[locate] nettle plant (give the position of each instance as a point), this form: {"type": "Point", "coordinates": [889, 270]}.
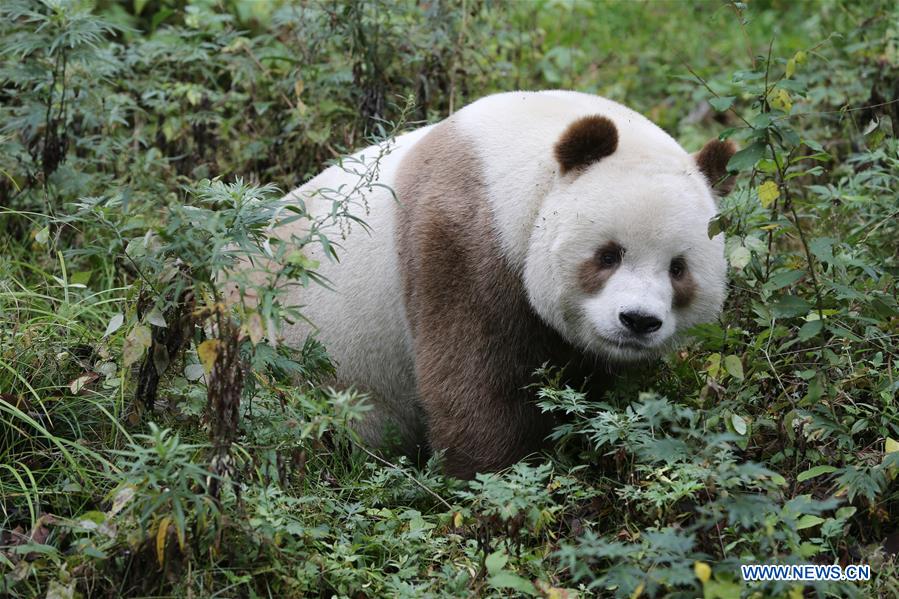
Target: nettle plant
{"type": "Point", "coordinates": [209, 296]}
{"type": "Point", "coordinates": [822, 308]}
{"type": "Point", "coordinates": [190, 286]}
{"type": "Point", "coordinates": [691, 495]}
{"type": "Point", "coordinates": [814, 313]}
{"type": "Point", "coordinates": [210, 293]}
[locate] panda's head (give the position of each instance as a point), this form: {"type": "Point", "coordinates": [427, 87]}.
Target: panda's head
{"type": "Point", "coordinates": [620, 261]}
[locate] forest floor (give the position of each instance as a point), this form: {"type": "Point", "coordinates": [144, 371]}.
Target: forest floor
{"type": "Point", "coordinates": [157, 441]}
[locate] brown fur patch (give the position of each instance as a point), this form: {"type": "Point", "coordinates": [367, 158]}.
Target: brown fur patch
{"type": "Point", "coordinates": [684, 290]}
{"type": "Point", "coordinates": [712, 160]}
{"type": "Point", "coordinates": [585, 141]}
{"type": "Point", "coordinates": [592, 274]}
{"type": "Point", "coordinates": [476, 338]}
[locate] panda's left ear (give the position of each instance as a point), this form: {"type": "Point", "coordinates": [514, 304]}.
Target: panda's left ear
{"type": "Point", "coordinates": [587, 140]}
{"type": "Point", "coordinates": [712, 160]}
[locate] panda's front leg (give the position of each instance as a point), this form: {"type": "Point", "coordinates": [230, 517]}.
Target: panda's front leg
{"type": "Point", "coordinates": [478, 412]}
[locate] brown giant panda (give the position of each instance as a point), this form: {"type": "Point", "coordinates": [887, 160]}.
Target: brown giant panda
{"type": "Point", "coordinates": [527, 227]}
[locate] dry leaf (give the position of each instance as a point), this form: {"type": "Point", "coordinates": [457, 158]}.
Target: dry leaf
{"type": "Point", "coordinates": [161, 533]}
{"type": "Point", "coordinates": [208, 352]}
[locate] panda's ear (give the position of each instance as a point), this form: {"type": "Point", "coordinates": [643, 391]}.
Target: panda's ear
{"type": "Point", "coordinates": [585, 141]}
{"type": "Point", "coordinates": [712, 160]}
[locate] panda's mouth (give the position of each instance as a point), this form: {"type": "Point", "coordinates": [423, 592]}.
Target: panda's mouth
{"type": "Point", "coordinates": [627, 349]}
{"type": "Point", "coordinates": [627, 343]}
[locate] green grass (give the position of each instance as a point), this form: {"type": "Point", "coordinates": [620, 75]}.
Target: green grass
{"type": "Point", "coordinates": [770, 438]}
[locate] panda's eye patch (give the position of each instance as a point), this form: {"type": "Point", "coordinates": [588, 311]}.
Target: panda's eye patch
{"type": "Point", "coordinates": [678, 267]}
{"type": "Point", "coordinates": [609, 255]}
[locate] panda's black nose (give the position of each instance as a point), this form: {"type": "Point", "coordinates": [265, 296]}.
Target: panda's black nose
{"type": "Point", "coordinates": [640, 323]}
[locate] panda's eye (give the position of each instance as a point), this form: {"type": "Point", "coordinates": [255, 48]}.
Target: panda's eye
{"type": "Point", "coordinates": [677, 268]}
{"type": "Point", "coordinates": [609, 256]}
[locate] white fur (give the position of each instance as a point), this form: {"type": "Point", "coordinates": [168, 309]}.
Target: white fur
{"type": "Point", "coordinates": [361, 321]}
{"type": "Point", "coordinates": [648, 196]}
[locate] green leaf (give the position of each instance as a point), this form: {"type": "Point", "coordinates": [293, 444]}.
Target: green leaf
{"type": "Point", "coordinates": [783, 279]}
{"type": "Point", "coordinates": [715, 226]}
{"type": "Point", "coordinates": [746, 158]}
{"type": "Point", "coordinates": [813, 472]}
{"type": "Point", "coordinates": [762, 120]}
{"type": "Point", "coordinates": [32, 547]}
{"type": "Point", "coordinates": [508, 580]}
{"type": "Point", "coordinates": [808, 521]}
{"type": "Point", "coordinates": [809, 549]}
{"type": "Point", "coordinates": [722, 589]}
{"type": "Point", "coordinates": [788, 424]}
{"type": "Point", "coordinates": [810, 329]}
{"type": "Point", "coordinates": [91, 551]}
{"type": "Point", "coordinates": [734, 366]}
{"type": "Point", "coordinates": [114, 323]}
{"type": "Point", "coordinates": [815, 391]}
{"type": "Point", "coordinates": [814, 145]}
{"type": "Point", "coordinates": [81, 277]}
{"type": "Point", "coordinates": [496, 561]}
{"type": "Point", "coordinates": [739, 424]}
{"type": "Point", "coordinates": [822, 248]}
{"type": "Point", "coordinates": [156, 318]}
{"type": "Point", "coordinates": [193, 372]}
{"type": "Point", "coordinates": [789, 306]}
{"type": "Point", "coordinates": [161, 15]}
{"type": "Point", "coordinates": [740, 257]}
{"type": "Point", "coordinates": [845, 512]}
{"type": "Point", "coordinates": [722, 103]}
{"type": "Point", "coordinates": [91, 520]}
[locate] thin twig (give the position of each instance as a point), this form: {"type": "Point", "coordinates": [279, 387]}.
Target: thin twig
{"type": "Point", "coordinates": [840, 111]}
{"type": "Point", "coordinates": [404, 473]}
{"type": "Point", "coordinates": [788, 203]}
{"type": "Point", "coordinates": [771, 364]}
{"type": "Point", "coordinates": [268, 74]}
{"type": "Point", "coordinates": [714, 93]}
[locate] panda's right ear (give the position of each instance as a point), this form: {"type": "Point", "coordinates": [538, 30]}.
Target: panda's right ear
{"type": "Point", "coordinates": [712, 161]}
{"type": "Point", "coordinates": [586, 141]}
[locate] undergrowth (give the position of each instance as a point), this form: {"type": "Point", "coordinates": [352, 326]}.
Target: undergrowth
{"type": "Point", "coordinates": [157, 439]}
